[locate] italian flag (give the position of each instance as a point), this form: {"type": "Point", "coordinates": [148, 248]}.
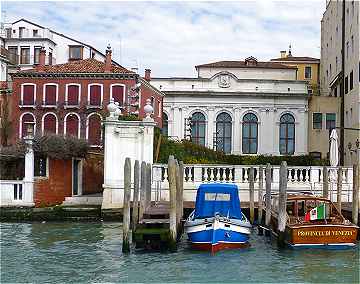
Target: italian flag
{"type": "Point", "coordinates": [316, 213]}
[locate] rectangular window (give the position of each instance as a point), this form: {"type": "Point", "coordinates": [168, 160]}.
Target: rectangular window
{"type": "Point", "coordinates": [317, 120]}
{"type": "Point", "coordinates": [50, 56]}
{"type": "Point", "coordinates": [40, 166]}
{"type": "Point", "coordinates": [21, 32]}
{"type": "Point", "coordinates": [75, 52]}
{"type": "Point", "coordinates": [35, 33]}
{"type": "Point", "coordinates": [37, 54]}
{"type": "Point", "coordinates": [73, 93]}
{"type": "Point", "coordinates": [351, 80]}
{"type": "Point", "coordinates": [8, 32]}
{"type": "Point", "coordinates": [18, 193]}
{"type": "Point", "coordinates": [330, 120]}
{"type": "Point", "coordinates": [50, 95]}
{"type": "Point", "coordinates": [13, 55]}
{"type": "Point", "coordinates": [25, 55]}
{"type": "Point", "coordinates": [346, 84]}
{"type": "Point", "coordinates": [308, 72]}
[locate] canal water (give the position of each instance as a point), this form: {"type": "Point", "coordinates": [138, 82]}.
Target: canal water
{"type": "Point", "coordinates": [91, 252]}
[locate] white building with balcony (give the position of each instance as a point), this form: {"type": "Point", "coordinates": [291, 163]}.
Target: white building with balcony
{"type": "Point", "coordinates": [239, 107]}
{"type": "Point", "coordinates": [24, 40]}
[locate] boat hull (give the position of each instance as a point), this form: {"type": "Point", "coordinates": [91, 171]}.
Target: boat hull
{"type": "Point", "coordinates": [217, 235]}
{"type": "Point", "coordinates": [322, 236]}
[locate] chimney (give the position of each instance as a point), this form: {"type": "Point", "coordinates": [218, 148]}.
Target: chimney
{"type": "Point", "coordinates": [108, 65]}
{"type": "Point", "coordinates": [147, 74]}
{"type": "Point", "coordinates": [42, 55]}
{"type": "Point", "coordinates": [282, 53]}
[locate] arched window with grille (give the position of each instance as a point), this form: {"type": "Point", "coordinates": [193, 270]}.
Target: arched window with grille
{"type": "Point", "coordinates": [287, 134]}
{"type": "Point", "coordinates": [24, 119]}
{"type": "Point", "coordinates": [165, 125]}
{"type": "Point", "coordinates": [250, 134]}
{"type": "Point", "coordinates": [198, 128]}
{"type": "Point", "coordinates": [223, 132]}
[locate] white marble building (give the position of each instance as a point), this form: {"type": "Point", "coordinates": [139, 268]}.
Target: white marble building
{"type": "Point", "coordinates": [240, 107]}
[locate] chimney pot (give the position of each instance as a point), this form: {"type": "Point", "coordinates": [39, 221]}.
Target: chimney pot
{"type": "Point", "coordinates": [283, 53]}
{"type": "Point", "coordinates": [147, 74]}
{"type": "Point", "coordinates": [108, 65]}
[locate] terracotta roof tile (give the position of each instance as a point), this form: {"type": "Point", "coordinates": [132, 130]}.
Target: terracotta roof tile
{"type": "Point", "coordinates": [79, 66]}
{"type": "Point", "coordinates": [241, 64]}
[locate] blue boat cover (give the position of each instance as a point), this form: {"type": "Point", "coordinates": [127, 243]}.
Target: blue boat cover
{"type": "Point", "coordinates": [218, 198]}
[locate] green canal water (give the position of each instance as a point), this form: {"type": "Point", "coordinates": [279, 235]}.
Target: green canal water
{"type": "Point", "coordinates": [91, 252]}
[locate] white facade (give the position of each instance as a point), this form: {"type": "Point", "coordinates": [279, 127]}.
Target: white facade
{"type": "Point", "coordinates": [268, 93]}
{"type": "Point", "coordinates": [24, 34]}
{"type": "Point", "coordinates": [331, 65]}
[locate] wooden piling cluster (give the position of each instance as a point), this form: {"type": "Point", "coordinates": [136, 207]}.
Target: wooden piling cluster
{"type": "Point", "coordinates": [158, 225]}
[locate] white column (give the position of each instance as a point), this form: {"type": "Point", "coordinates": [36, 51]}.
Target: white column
{"type": "Point", "coordinates": [211, 127]}
{"type": "Point", "coordinates": [28, 190]}
{"type": "Point", "coordinates": [237, 132]}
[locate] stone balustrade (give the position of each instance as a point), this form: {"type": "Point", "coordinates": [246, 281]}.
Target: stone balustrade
{"type": "Point", "coordinates": [15, 193]}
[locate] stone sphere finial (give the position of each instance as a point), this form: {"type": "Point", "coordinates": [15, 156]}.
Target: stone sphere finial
{"type": "Point", "coordinates": [113, 109]}
{"type": "Point", "coordinates": [148, 109]}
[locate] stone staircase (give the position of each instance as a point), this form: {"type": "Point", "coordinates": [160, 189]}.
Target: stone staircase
{"type": "Point", "coordinates": [91, 199]}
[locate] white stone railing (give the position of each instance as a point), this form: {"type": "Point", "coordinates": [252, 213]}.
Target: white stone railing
{"type": "Point", "coordinates": [16, 193]}
{"type": "Point", "coordinates": [299, 178]}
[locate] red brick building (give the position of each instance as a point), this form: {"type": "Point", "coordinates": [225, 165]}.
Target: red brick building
{"type": "Point", "coordinates": [71, 98]}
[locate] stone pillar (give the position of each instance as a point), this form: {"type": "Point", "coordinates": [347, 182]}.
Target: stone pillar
{"type": "Point", "coordinates": [237, 132]}
{"type": "Point", "coordinates": [28, 190]}
{"type": "Point", "coordinates": [211, 127]}
{"type": "Point", "coordinates": [124, 139]}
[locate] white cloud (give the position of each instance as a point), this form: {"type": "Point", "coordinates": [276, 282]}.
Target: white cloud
{"type": "Point", "coordinates": [172, 37]}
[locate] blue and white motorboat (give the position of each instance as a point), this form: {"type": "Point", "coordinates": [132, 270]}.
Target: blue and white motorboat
{"type": "Point", "coordinates": [217, 221]}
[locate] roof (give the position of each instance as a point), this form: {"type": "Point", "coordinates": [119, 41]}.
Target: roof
{"type": "Point", "coordinates": [241, 64]}
{"type": "Point", "coordinates": [65, 36]}
{"type": "Point", "coordinates": [90, 65]}
{"type": "Point", "coordinates": [297, 59]}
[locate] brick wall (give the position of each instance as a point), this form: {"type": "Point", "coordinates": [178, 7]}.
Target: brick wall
{"type": "Point", "coordinates": [53, 189]}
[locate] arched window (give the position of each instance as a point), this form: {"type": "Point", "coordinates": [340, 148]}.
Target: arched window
{"type": "Point", "coordinates": [198, 127]}
{"type": "Point", "coordinates": [250, 134]}
{"type": "Point", "coordinates": [72, 125]}
{"type": "Point", "coordinates": [26, 117]}
{"type": "Point", "coordinates": [165, 128]}
{"type": "Point", "coordinates": [287, 134]}
{"type": "Point", "coordinates": [223, 132]}
{"type": "Point", "coordinates": [28, 94]}
{"type": "Point", "coordinates": [50, 94]}
{"type": "Point", "coordinates": [49, 123]}
{"type": "Point", "coordinates": [117, 93]}
{"type": "Point", "coordinates": [73, 94]}
{"type": "Point", "coordinates": [95, 95]}
{"type": "Point", "coordinates": [94, 129]}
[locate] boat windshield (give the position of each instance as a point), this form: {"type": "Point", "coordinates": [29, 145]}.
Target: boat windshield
{"type": "Point", "coordinates": [312, 211]}
{"type": "Point", "coordinates": [216, 198]}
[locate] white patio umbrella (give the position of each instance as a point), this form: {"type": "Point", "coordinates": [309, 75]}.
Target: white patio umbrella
{"type": "Point", "coordinates": [334, 158]}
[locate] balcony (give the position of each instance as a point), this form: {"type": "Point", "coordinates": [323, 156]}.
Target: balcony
{"type": "Point", "coordinates": [27, 33]}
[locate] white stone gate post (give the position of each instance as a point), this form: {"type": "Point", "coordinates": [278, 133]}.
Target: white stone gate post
{"type": "Point", "coordinates": [124, 139]}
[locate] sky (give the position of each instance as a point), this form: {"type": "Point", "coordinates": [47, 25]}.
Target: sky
{"type": "Point", "coordinates": [172, 37]}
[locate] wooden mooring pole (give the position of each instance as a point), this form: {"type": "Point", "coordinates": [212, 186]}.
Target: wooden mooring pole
{"type": "Point", "coordinates": [339, 189]}
{"type": "Point", "coordinates": [126, 209]}
{"type": "Point", "coordinates": [268, 198]}
{"type": "Point", "coordinates": [282, 204]}
{"type": "Point", "coordinates": [172, 213]}
{"type": "Point", "coordinates": [251, 193]}
{"type": "Point", "coordinates": [260, 199]}
{"type": "Point", "coordinates": [355, 197]}
{"type": "Point", "coordinates": [142, 191]}
{"type": "Point", "coordinates": [325, 183]}
{"type": "Point", "coordinates": [179, 194]}
{"type": "Point", "coordinates": [135, 213]}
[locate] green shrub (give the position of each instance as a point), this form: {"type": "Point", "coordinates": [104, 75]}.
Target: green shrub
{"type": "Point", "coordinates": [191, 153]}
